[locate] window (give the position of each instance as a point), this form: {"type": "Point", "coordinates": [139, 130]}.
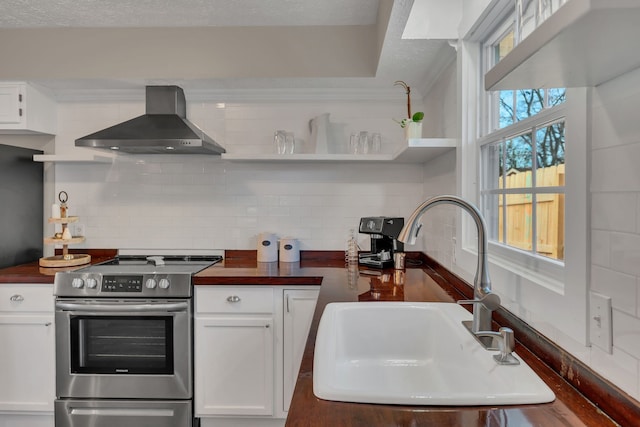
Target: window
{"type": "Point", "coordinates": [503, 146]}
{"type": "Point", "coordinates": [522, 164]}
{"type": "Point", "coordinates": [523, 175]}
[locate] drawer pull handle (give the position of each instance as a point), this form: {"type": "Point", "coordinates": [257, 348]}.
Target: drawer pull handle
{"type": "Point", "coordinates": [233, 298]}
{"type": "Point", "coordinates": [17, 298]}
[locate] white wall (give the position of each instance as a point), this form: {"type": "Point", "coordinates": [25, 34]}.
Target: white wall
{"type": "Point", "coordinates": [439, 224]}
{"type": "Point", "coordinates": [615, 223]}
{"type": "Point", "coordinates": [203, 202]}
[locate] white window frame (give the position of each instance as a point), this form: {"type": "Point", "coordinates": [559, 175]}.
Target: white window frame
{"type": "Point", "coordinates": [544, 293]}
{"type": "Point", "coordinates": [547, 272]}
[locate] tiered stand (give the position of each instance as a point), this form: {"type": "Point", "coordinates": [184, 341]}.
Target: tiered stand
{"type": "Point", "coordinates": [66, 259]}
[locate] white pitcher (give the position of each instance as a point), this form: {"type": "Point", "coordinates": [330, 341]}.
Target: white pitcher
{"type": "Point", "coordinates": [319, 127]}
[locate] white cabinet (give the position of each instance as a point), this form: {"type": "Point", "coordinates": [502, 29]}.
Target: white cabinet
{"type": "Point", "coordinates": [27, 352]}
{"type": "Point", "coordinates": [249, 342]}
{"type": "Point", "coordinates": [234, 351]}
{"type": "Point", "coordinates": [25, 109]}
{"type": "Point", "coordinates": [299, 306]}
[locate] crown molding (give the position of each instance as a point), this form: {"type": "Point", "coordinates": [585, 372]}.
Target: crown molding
{"type": "Point", "coordinates": [238, 95]}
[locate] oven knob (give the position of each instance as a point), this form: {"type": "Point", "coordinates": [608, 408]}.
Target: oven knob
{"type": "Point", "coordinates": [151, 283]}
{"type": "Point", "coordinates": [77, 283]}
{"type": "Point", "coordinates": [164, 283]}
{"type": "Point", "coordinates": [92, 283]}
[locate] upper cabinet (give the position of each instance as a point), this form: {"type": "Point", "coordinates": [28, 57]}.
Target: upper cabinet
{"type": "Point", "coordinates": [584, 43]}
{"type": "Point", "coordinates": [25, 109]}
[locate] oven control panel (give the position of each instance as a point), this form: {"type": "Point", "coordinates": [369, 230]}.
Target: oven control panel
{"type": "Point", "coordinates": [90, 284]}
{"type": "Point", "coordinates": [121, 284]}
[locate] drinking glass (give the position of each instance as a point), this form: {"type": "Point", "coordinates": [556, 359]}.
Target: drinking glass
{"type": "Point", "coordinates": [354, 143]}
{"type": "Point", "coordinates": [289, 143]}
{"type": "Point", "coordinates": [279, 139]}
{"type": "Point", "coordinates": [376, 143]}
{"type": "Point", "coordinates": [364, 143]}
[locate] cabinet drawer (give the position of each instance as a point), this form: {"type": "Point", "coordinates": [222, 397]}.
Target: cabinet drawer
{"type": "Point", "coordinates": [210, 299]}
{"type": "Point", "coordinates": [26, 298]}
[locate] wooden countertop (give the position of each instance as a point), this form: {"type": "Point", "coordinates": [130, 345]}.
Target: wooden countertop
{"type": "Point", "coordinates": [33, 273]}
{"type": "Point", "coordinates": [423, 283]}
{"type": "Point", "coordinates": [415, 284]}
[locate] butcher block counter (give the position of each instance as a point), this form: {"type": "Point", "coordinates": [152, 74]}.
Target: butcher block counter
{"type": "Point", "coordinates": [582, 397]}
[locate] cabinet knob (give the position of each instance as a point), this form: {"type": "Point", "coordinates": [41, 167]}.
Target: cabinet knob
{"type": "Point", "coordinates": [17, 298]}
{"type": "Point", "coordinates": [233, 298]}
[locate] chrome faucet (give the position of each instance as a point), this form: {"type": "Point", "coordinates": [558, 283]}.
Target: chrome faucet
{"type": "Point", "coordinates": [484, 301]}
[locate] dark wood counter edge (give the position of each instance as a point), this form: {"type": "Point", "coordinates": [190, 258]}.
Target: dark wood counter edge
{"type": "Point", "coordinates": [610, 399]}
{"type": "Point", "coordinates": [33, 273]}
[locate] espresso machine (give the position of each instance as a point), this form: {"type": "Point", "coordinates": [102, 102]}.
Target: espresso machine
{"type": "Point", "coordinates": [384, 232]}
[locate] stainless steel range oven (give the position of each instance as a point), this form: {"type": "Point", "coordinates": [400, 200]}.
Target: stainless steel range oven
{"type": "Point", "coordinates": [124, 350]}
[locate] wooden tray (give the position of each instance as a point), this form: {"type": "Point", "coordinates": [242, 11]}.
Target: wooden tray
{"type": "Point", "coordinates": [54, 241]}
{"type": "Point", "coordinates": [59, 261]}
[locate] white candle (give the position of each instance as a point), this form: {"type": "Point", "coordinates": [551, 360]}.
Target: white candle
{"type": "Point", "coordinates": [55, 210]}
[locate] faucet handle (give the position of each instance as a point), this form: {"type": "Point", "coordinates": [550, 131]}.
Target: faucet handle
{"type": "Point", "coordinates": [506, 344]}
{"type": "Point", "coordinates": [491, 301]}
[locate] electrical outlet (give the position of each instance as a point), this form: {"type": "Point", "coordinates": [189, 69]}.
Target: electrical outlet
{"type": "Point", "coordinates": [600, 327]}
{"type": "Point", "coordinates": [79, 228]}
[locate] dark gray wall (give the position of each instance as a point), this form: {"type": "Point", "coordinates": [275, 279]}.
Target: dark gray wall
{"type": "Point", "coordinates": [21, 206]}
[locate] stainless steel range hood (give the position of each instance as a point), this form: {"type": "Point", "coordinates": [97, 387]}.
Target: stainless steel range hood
{"type": "Point", "coordinates": [164, 129]}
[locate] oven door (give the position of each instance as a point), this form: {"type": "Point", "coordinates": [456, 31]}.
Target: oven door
{"type": "Point", "coordinates": [124, 349]}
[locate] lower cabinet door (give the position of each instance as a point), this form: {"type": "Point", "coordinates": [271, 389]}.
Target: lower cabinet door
{"type": "Point", "coordinates": [234, 365]}
{"type": "Point", "coordinates": [299, 306]}
{"type": "Point", "coordinates": [27, 363]}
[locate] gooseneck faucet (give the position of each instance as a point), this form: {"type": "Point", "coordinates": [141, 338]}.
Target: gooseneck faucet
{"type": "Point", "coordinates": [484, 301]}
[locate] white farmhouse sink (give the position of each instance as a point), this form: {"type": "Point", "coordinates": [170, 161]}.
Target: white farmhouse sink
{"type": "Point", "coordinates": [413, 354]}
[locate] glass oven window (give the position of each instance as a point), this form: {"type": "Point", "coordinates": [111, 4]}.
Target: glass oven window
{"type": "Point", "coordinates": [122, 345]}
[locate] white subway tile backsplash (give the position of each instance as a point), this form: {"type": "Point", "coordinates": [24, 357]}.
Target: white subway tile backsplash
{"type": "Point", "coordinates": [626, 333]}
{"type": "Point", "coordinates": [205, 201]}
{"type": "Point", "coordinates": [620, 287]}
{"type": "Point", "coordinates": [619, 367]}
{"type": "Point", "coordinates": [614, 211]}
{"type": "Point", "coordinates": [625, 253]}
{"type": "Point", "coordinates": [615, 169]}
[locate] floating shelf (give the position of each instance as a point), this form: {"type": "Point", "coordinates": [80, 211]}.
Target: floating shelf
{"type": "Point", "coordinates": [421, 150]}
{"type": "Point", "coordinates": [418, 150]}
{"type": "Point", "coordinates": [72, 158]}
{"type": "Point", "coordinates": [307, 157]}
{"type": "Point", "coordinates": [584, 43]}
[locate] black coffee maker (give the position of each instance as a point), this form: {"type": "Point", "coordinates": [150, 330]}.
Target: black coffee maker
{"type": "Point", "coordinates": [384, 232]}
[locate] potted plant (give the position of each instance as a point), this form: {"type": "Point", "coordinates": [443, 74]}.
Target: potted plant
{"type": "Point", "coordinates": [412, 125]}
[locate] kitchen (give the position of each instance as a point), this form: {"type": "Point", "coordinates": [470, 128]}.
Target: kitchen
{"type": "Point", "coordinates": [135, 202]}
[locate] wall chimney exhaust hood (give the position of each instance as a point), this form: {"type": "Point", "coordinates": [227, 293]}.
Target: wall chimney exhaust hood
{"type": "Point", "coordinates": [164, 129]}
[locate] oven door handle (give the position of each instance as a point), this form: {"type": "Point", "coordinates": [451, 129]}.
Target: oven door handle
{"type": "Point", "coordinates": [120, 307]}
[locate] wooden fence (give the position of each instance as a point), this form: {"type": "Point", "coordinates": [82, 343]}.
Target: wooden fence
{"type": "Point", "coordinates": [550, 214]}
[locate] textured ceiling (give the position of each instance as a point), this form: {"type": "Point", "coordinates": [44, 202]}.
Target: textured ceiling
{"type": "Point", "coordinates": [189, 13]}
{"type": "Point", "coordinates": [417, 62]}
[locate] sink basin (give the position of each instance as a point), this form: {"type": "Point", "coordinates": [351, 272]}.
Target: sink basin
{"type": "Point", "coordinates": [413, 354]}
